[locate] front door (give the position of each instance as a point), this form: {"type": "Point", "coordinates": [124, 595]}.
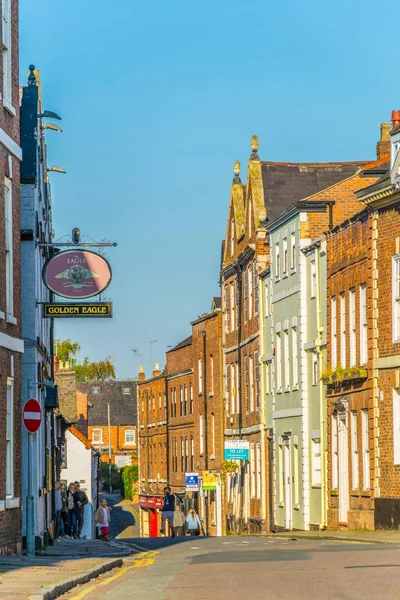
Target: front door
{"type": "Point", "coordinates": [343, 468]}
{"type": "Point", "coordinates": [287, 483]}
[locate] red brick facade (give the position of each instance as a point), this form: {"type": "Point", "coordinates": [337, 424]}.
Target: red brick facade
{"type": "Point", "coordinates": [10, 324]}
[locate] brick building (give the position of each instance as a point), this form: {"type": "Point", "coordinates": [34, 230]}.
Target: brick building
{"type": "Point", "coordinates": [152, 409]}
{"type": "Point", "coordinates": [11, 345]}
{"type": "Point", "coordinates": [270, 189]}
{"type": "Point", "coordinates": [208, 409]}
{"type": "Point", "coordinates": [181, 414]}
{"type": "Point", "coordinates": [352, 405]}
{"type": "Point", "coordinates": [113, 402]}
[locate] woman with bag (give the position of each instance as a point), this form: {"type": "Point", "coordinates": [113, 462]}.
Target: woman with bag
{"type": "Point", "coordinates": [193, 523]}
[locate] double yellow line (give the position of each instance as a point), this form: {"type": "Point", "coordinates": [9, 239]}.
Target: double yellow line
{"type": "Point", "coordinates": [144, 559]}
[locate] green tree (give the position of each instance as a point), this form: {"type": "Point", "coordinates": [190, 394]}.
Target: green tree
{"type": "Point", "coordinates": [85, 370]}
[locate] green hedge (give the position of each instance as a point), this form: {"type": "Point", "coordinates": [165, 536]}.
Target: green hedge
{"type": "Point", "coordinates": [130, 476]}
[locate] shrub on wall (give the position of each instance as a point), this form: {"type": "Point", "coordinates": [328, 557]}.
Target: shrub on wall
{"type": "Point", "coordinates": [130, 476]}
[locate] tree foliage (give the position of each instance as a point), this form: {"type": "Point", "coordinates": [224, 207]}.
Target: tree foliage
{"type": "Point", "coordinates": [129, 477]}
{"type": "Point", "coordinates": [86, 370]}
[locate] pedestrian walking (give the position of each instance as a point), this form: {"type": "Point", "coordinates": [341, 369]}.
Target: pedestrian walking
{"type": "Point", "coordinates": [58, 507]}
{"type": "Point", "coordinates": [167, 511]}
{"type": "Point", "coordinates": [193, 523]}
{"type": "Point", "coordinates": [102, 518]}
{"type": "Point", "coordinates": [82, 501]}
{"type": "Point", "coordinates": [72, 507]}
{"type": "Point", "coordinates": [179, 520]}
{"type": "Point", "coordinates": [64, 511]}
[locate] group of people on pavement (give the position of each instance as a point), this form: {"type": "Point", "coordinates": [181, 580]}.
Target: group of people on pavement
{"type": "Point", "coordinates": [70, 510]}
{"type": "Point", "coordinates": [178, 523]}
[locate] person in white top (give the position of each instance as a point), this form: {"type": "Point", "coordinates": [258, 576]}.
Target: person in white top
{"type": "Point", "coordinates": [102, 518]}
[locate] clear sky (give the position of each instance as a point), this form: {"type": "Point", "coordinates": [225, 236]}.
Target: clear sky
{"type": "Point", "coordinates": [158, 100]}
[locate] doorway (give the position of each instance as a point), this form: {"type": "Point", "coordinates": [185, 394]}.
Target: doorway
{"type": "Point", "coordinates": [343, 469]}
{"type": "Point", "coordinates": [287, 482]}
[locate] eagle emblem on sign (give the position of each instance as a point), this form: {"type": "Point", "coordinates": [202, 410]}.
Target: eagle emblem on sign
{"type": "Point", "coordinates": [76, 276]}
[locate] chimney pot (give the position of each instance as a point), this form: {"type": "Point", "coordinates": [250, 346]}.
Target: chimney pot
{"type": "Point", "coordinates": [395, 118]}
{"type": "Point", "coordinates": [156, 370]}
{"type": "Point", "coordinates": [141, 376]}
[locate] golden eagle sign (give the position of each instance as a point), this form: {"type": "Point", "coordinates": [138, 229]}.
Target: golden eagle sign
{"type": "Point", "coordinates": [77, 274]}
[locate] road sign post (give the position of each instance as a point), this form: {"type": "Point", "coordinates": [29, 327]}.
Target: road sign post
{"type": "Point", "coordinates": [32, 416]}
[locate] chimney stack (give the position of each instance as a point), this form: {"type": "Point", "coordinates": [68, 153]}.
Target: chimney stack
{"type": "Point", "coordinates": [395, 118]}
{"type": "Point", "coordinates": [141, 375]}
{"type": "Point", "coordinates": [156, 370]}
{"type": "Point", "coordinates": [383, 146]}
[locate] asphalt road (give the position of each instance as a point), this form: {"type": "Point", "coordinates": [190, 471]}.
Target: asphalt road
{"type": "Point", "coordinates": [249, 568]}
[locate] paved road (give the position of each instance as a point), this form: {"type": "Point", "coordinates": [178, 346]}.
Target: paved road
{"type": "Point", "coordinates": [124, 517]}
{"type": "Point", "coordinates": [248, 568]}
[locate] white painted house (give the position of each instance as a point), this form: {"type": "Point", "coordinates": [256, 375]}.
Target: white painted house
{"type": "Point", "coordinates": [81, 464]}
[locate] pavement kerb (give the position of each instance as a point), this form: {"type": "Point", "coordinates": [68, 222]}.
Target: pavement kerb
{"type": "Point", "coordinates": [49, 592]}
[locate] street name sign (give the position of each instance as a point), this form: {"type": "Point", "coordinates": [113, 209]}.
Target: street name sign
{"type": "Point", "coordinates": [192, 482]}
{"type": "Point", "coordinates": [32, 415]}
{"type": "Point", "coordinates": [236, 450]}
{"type": "Point", "coordinates": [75, 309]}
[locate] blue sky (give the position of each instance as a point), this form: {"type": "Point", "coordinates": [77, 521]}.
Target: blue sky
{"type": "Point", "coordinates": [159, 99]}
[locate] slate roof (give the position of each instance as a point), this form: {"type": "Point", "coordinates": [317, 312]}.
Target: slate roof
{"type": "Point", "coordinates": [123, 406]}
{"type": "Point", "coordinates": [183, 344]}
{"type": "Point", "coordinates": [216, 303]}
{"type": "Point", "coordinates": [286, 183]}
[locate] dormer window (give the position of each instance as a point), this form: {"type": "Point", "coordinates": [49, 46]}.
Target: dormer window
{"type": "Point", "coordinates": [95, 390]}
{"type": "Point", "coordinates": [126, 390]}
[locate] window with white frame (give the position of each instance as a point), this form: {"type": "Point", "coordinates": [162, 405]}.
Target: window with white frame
{"type": "Point", "coordinates": [232, 306]}
{"type": "Point", "coordinates": [191, 455]}
{"type": "Point", "coordinates": [313, 279]}
{"type": "Point", "coordinates": [354, 451]}
{"type": "Point", "coordinates": [201, 432]}
{"type": "Point", "coordinates": [10, 439]}
{"type": "Point", "coordinates": [281, 468]}
{"type": "Point", "coordinates": [316, 461]}
{"type": "Point", "coordinates": [314, 368]}
{"type": "Point", "coordinates": [129, 436]}
{"type": "Point", "coordinates": [266, 299]}
{"type": "Point", "coordinates": [250, 294]}
{"type": "Point", "coordinates": [200, 375]}
{"type": "Point", "coordinates": [182, 455]}
{"type": "Point", "coordinates": [285, 256]}
{"type": "Point", "coordinates": [255, 281]}
{"type": "Point", "coordinates": [245, 295]}
{"type": "Point", "coordinates": [251, 383]}
{"type": "Point", "coordinates": [353, 327]}
{"type": "Point", "coordinates": [277, 261]}
{"type": "Point", "coordinates": [257, 378]}
{"type": "Point", "coordinates": [365, 449]}
{"type": "Point", "coordinates": [396, 298]}
{"type": "Point", "coordinates": [227, 312]}
{"type": "Point", "coordinates": [97, 436]}
{"type": "Point", "coordinates": [191, 400]}
{"type": "Point", "coordinates": [293, 251]}
{"type": "Point", "coordinates": [159, 400]}
{"type": "Point", "coordinates": [211, 374]}
{"type": "Point", "coordinates": [228, 388]}
{"type": "Point", "coordinates": [295, 357]}
{"type": "Point", "coordinates": [185, 400]}
{"type": "Point", "coordinates": [232, 388]}
{"type": "Point", "coordinates": [286, 358]}
{"type": "Point", "coordinates": [363, 325]}
{"type": "Point", "coordinates": [6, 43]}
{"type": "Point", "coordinates": [333, 333]}
{"type": "Point", "coordinates": [252, 471]}
{"type": "Point", "coordinates": [237, 386]}
{"type": "Point", "coordinates": [342, 331]}
{"type": "Point", "coordinates": [213, 434]}
{"type": "Point", "coordinates": [335, 452]}
{"type": "Point", "coordinates": [396, 426]}
{"type": "Point", "coordinates": [8, 221]}
{"type": "Point", "coordinates": [259, 467]}
{"type": "Point", "coordinates": [278, 361]}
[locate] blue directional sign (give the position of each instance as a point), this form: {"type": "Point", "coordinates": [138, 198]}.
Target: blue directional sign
{"type": "Point", "coordinates": [236, 450]}
{"type": "Point", "coordinates": [192, 482]}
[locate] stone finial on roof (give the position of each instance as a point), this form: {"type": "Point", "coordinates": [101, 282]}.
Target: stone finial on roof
{"type": "Point", "coordinates": [31, 76]}
{"type": "Point", "coordinates": [236, 170]}
{"type": "Point", "coordinates": [254, 147]}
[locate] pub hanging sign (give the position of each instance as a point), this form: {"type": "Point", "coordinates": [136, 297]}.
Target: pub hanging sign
{"type": "Point", "coordinates": [75, 309]}
{"type": "Point", "coordinates": [77, 274]}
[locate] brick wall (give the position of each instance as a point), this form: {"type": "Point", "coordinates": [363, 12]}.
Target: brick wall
{"type": "Point", "coordinates": [118, 443]}
{"type": "Point", "coordinates": [66, 382]}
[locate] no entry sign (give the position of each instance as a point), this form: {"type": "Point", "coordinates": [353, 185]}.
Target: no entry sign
{"type": "Point", "coordinates": [32, 415]}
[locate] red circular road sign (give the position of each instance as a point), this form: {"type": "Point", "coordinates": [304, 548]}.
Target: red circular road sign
{"type": "Point", "coordinates": [77, 274]}
{"type": "Point", "coordinates": [32, 415]}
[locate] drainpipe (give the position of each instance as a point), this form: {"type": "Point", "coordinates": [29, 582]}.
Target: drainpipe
{"type": "Point", "coordinates": [320, 331]}
{"type": "Point", "coordinates": [167, 427]}
{"type": "Point", "coordinates": [261, 314]}
{"type": "Point", "coordinates": [204, 334]}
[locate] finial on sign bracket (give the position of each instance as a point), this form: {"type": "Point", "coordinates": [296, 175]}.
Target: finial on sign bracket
{"type": "Point", "coordinates": [31, 76]}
